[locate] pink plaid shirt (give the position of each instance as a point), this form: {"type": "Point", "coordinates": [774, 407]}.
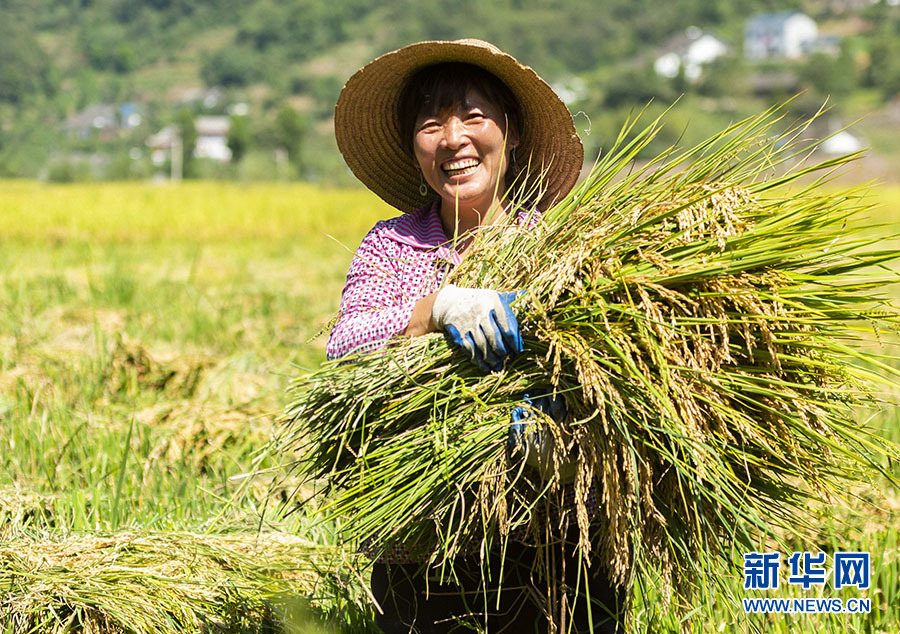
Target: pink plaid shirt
{"type": "Point", "coordinates": [400, 261]}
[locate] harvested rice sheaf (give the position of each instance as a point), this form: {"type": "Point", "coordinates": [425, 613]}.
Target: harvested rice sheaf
{"type": "Point", "coordinates": [706, 319]}
{"type": "Point", "coordinates": [23, 509]}
{"type": "Point", "coordinates": [157, 582]}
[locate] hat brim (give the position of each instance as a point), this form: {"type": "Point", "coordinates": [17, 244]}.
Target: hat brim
{"type": "Point", "coordinates": [368, 131]}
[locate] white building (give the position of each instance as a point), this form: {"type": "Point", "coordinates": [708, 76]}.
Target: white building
{"type": "Point", "coordinates": [778, 35]}
{"type": "Point", "coordinates": [689, 51]}
{"type": "Point", "coordinates": [212, 138]}
{"type": "Point", "coordinates": [841, 142]}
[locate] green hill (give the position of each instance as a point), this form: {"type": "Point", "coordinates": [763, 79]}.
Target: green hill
{"type": "Point", "coordinates": [60, 57]}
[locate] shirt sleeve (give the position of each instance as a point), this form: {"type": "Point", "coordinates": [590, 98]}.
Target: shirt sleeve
{"type": "Point", "coordinates": [374, 306]}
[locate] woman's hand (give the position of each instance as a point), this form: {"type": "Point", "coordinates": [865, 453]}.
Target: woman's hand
{"type": "Point", "coordinates": [527, 440]}
{"type": "Point", "coordinates": [481, 322]}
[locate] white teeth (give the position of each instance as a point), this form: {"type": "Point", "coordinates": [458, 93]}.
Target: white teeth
{"type": "Point", "coordinates": [462, 166]}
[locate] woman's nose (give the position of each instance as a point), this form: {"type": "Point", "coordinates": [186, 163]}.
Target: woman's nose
{"type": "Point", "coordinates": [454, 132]}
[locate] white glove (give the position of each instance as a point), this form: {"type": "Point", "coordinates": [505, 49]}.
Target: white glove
{"type": "Point", "coordinates": [481, 322]}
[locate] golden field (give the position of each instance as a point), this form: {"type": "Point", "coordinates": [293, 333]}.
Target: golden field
{"type": "Point", "coordinates": [147, 336]}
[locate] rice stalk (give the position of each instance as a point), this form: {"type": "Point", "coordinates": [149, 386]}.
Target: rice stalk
{"type": "Point", "coordinates": [158, 582]}
{"type": "Point", "coordinates": [707, 319]}
{"type": "Point", "coordinates": [23, 509]}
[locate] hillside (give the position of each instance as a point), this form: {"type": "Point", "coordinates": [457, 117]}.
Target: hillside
{"type": "Point", "coordinates": [280, 65]}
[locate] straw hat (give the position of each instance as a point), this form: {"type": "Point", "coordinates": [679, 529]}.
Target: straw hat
{"type": "Point", "coordinates": [368, 132]}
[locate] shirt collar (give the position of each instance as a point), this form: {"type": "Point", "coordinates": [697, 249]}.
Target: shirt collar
{"type": "Point", "coordinates": [423, 229]}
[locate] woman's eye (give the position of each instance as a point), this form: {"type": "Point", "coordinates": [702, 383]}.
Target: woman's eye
{"type": "Point", "coordinates": [429, 126]}
{"type": "Point", "coordinates": [475, 115]}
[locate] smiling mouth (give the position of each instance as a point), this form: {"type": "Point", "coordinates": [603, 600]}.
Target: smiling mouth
{"type": "Point", "coordinates": [460, 167]}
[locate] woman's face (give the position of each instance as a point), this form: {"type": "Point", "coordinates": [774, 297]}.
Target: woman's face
{"type": "Point", "coordinates": [464, 152]}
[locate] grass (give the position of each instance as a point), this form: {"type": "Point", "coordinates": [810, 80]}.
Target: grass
{"type": "Point", "coordinates": [147, 335]}
{"type": "Point", "coordinates": [146, 341]}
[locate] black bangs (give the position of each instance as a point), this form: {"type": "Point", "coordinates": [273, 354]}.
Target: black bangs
{"type": "Point", "coordinates": [435, 89]}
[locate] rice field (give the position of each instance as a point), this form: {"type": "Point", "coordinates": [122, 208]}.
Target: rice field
{"type": "Point", "coordinates": [147, 336]}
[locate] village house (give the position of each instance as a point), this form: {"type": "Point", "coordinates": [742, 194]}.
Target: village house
{"type": "Point", "coordinates": [104, 120]}
{"type": "Point", "coordinates": [688, 52]}
{"type": "Point", "coordinates": [212, 140]}
{"type": "Point", "coordinates": [779, 35]}
{"type": "Point", "coordinates": [99, 119]}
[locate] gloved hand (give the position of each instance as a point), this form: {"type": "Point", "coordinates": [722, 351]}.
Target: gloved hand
{"type": "Point", "coordinates": [526, 439]}
{"type": "Point", "coordinates": [480, 321]}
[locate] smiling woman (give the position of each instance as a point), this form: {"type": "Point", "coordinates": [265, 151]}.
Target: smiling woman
{"type": "Point", "coordinates": [457, 135]}
{"type": "Point", "coordinates": [465, 129]}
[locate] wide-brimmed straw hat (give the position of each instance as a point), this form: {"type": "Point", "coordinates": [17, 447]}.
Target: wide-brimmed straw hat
{"type": "Point", "coordinates": [367, 127]}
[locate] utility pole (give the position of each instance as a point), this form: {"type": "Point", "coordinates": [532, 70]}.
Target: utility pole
{"type": "Point", "coordinates": [176, 158]}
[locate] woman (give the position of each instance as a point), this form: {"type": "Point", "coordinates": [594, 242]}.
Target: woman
{"type": "Point", "coordinates": [446, 132]}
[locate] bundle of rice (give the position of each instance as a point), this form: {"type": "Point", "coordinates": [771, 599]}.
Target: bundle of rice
{"type": "Point", "coordinates": [702, 323]}
{"type": "Point", "coordinates": [23, 509]}
{"type": "Point", "coordinates": [157, 583]}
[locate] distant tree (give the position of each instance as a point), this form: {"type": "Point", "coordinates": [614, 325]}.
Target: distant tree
{"type": "Point", "coordinates": [680, 84]}
{"type": "Point", "coordinates": [231, 66]}
{"type": "Point", "coordinates": [883, 71]}
{"type": "Point", "coordinates": [324, 89]}
{"type": "Point", "coordinates": [290, 126]}
{"type": "Point", "coordinates": [830, 75]}
{"type": "Point", "coordinates": [263, 25]}
{"type": "Point", "coordinates": [25, 69]}
{"type": "Point", "coordinates": [636, 86]}
{"type": "Point", "coordinates": [716, 11]}
{"type": "Point", "coordinates": [108, 46]}
{"type": "Point", "coordinates": [238, 137]}
{"type": "Point", "coordinates": [299, 27]}
{"type": "Point", "coordinates": [725, 76]}
{"type": "Point", "coordinates": [187, 131]}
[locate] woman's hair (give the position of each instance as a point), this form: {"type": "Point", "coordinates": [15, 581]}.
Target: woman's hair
{"type": "Point", "coordinates": [440, 87]}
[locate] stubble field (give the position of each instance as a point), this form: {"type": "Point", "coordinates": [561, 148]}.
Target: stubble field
{"type": "Point", "coordinates": [147, 335]}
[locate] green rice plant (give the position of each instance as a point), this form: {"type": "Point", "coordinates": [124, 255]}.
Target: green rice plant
{"type": "Point", "coordinates": [703, 316]}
